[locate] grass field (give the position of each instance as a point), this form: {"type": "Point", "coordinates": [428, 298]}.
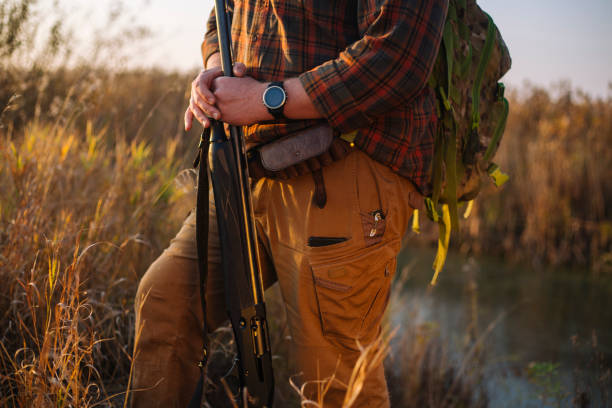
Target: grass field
{"type": "Point", "coordinates": [93, 185]}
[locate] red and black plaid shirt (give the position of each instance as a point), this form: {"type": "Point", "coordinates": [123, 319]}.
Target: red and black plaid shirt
{"type": "Point", "coordinates": [364, 64]}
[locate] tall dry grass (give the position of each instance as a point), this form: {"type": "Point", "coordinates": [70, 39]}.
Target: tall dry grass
{"type": "Point", "coordinates": [88, 198]}
{"type": "Point", "coordinates": [556, 209]}
{"type": "Point", "coordinates": [84, 208]}
{"type": "Point", "coordinates": [88, 159]}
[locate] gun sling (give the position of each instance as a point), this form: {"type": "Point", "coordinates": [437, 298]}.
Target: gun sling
{"type": "Point", "coordinates": [202, 251]}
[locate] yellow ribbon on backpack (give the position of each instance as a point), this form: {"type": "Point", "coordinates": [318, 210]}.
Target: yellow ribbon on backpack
{"type": "Point", "coordinates": [415, 222]}
{"type": "Point", "coordinates": [444, 224]}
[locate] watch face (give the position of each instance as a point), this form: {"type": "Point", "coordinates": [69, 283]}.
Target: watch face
{"type": "Point", "coordinates": [274, 97]}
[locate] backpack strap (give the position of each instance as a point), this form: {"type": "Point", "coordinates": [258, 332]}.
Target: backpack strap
{"type": "Point", "coordinates": [482, 65]}
{"type": "Point", "coordinates": [501, 125]}
{"type": "Point", "coordinates": [438, 162]}
{"type": "Point", "coordinates": [450, 164]}
{"type": "Point", "coordinates": [445, 156]}
{"type": "Point", "coordinates": [448, 40]}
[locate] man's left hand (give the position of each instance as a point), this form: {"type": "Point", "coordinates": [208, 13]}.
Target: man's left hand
{"type": "Point", "coordinates": [239, 99]}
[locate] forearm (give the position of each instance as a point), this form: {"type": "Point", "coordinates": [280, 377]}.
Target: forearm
{"type": "Point", "coordinates": [240, 100]}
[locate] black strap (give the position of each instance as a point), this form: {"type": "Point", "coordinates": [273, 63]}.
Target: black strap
{"type": "Point", "coordinates": [278, 113]}
{"type": "Point", "coordinates": [202, 214]}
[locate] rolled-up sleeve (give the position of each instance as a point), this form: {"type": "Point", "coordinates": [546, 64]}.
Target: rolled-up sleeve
{"type": "Point", "coordinates": [387, 67]}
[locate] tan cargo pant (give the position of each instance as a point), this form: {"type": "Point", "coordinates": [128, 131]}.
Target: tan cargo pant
{"type": "Point", "coordinates": [333, 295]}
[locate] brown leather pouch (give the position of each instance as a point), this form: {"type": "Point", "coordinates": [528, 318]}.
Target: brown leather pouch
{"type": "Point", "coordinates": [297, 154]}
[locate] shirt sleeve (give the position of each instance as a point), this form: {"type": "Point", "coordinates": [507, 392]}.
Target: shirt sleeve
{"type": "Point", "coordinates": [210, 44]}
{"type": "Point", "coordinates": [387, 67]}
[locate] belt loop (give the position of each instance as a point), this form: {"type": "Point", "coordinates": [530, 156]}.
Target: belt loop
{"type": "Point", "coordinates": [320, 196]}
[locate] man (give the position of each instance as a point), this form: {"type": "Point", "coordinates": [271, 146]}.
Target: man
{"type": "Point", "coordinates": [359, 66]}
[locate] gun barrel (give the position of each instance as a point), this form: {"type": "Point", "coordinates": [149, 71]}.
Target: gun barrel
{"type": "Point", "coordinates": [247, 313]}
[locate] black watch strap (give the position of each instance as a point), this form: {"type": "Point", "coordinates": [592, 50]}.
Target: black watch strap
{"type": "Point", "coordinates": [278, 113]}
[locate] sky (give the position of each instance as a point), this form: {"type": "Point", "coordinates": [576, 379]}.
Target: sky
{"type": "Point", "coordinates": [550, 40]}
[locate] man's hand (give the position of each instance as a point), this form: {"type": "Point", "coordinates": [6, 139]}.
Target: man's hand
{"type": "Point", "coordinates": [202, 104]}
{"type": "Point", "coordinates": [202, 101]}
{"type": "Point", "coordinates": [240, 98]}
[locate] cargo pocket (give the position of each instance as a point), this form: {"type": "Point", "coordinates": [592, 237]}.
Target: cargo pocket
{"type": "Point", "coordinates": [352, 292]}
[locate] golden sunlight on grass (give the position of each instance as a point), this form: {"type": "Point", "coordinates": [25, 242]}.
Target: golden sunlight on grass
{"type": "Point", "coordinates": [91, 191]}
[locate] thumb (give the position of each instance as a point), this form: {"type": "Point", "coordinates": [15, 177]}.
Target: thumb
{"type": "Point", "coordinates": [239, 69]}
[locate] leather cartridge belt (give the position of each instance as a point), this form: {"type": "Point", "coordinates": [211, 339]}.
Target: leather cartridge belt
{"type": "Point", "coordinates": [299, 153]}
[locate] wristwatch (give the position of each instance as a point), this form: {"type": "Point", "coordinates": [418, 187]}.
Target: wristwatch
{"type": "Point", "coordinates": [274, 98]}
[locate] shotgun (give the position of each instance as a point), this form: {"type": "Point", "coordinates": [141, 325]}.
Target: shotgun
{"type": "Point", "coordinates": [244, 292]}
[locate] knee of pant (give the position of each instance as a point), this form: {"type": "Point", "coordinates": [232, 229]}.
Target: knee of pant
{"type": "Point", "coordinates": [166, 306]}
{"type": "Point", "coordinates": [168, 277]}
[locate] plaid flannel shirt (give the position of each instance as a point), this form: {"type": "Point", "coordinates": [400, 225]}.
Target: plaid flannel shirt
{"type": "Point", "coordinates": [364, 64]}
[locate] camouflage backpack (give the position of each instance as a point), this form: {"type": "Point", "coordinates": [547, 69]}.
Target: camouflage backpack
{"type": "Point", "coordinates": [472, 111]}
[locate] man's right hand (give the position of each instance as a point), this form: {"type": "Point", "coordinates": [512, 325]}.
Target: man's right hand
{"type": "Point", "coordinates": [202, 101]}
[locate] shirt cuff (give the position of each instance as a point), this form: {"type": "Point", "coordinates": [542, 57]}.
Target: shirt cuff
{"type": "Point", "coordinates": [210, 45]}
{"type": "Point", "coordinates": [332, 98]}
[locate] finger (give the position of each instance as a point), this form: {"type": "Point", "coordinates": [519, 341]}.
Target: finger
{"type": "Point", "coordinates": [203, 83]}
{"type": "Point", "coordinates": [199, 114]}
{"type": "Point", "coordinates": [239, 69]}
{"type": "Point", "coordinates": [202, 91]}
{"type": "Point", "coordinates": [208, 110]}
{"type": "Point", "coordinates": [188, 119]}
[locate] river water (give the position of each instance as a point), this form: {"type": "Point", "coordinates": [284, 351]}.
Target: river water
{"type": "Point", "coordinates": [558, 320]}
